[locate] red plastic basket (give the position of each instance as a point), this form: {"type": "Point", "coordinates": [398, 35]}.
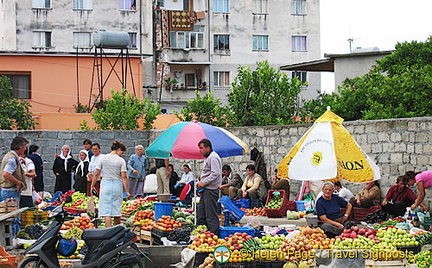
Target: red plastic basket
{"type": "Point", "coordinates": [291, 205]}
{"type": "Point", "coordinates": [280, 212]}
{"type": "Point", "coordinates": [361, 213]}
{"type": "Point", "coordinates": [7, 260]}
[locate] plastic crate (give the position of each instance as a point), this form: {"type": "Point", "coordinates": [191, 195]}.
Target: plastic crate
{"type": "Point", "coordinates": [54, 198]}
{"type": "Point", "coordinates": [359, 214]}
{"type": "Point", "coordinates": [236, 214]}
{"type": "Point", "coordinates": [225, 231]}
{"type": "Point", "coordinates": [6, 260]}
{"type": "Point", "coordinates": [158, 233]}
{"type": "Point", "coordinates": [280, 212]}
{"type": "Point", "coordinates": [242, 203]}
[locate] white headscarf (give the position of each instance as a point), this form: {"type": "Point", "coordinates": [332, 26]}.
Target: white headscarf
{"type": "Point", "coordinates": [65, 158]}
{"type": "Point", "coordinates": [81, 163]}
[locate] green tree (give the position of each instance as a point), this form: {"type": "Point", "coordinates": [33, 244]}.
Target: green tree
{"type": "Point", "coordinates": [205, 109]}
{"type": "Point", "coordinates": [399, 85]}
{"type": "Point", "coordinates": [262, 97]}
{"type": "Point", "coordinates": [15, 113]}
{"type": "Point", "coordinates": [122, 112]}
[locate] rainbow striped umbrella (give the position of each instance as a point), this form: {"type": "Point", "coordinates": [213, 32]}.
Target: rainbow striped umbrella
{"type": "Point", "coordinates": [181, 141]}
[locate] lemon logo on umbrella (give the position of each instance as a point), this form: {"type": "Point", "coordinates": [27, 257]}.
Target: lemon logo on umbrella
{"type": "Point", "coordinates": [317, 158]}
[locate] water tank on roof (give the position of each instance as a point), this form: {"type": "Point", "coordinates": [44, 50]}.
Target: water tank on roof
{"type": "Point", "coordinates": [105, 39]}
{"type": "Point", "coordinates": [365, 49]}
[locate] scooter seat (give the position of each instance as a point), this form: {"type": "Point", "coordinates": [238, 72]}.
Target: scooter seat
{"type": "Point", "coordinates": [105, 233]}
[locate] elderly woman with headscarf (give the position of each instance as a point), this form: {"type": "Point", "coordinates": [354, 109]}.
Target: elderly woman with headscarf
{"type": "Point", "coordinates": [328, 208]}
{"type": "Point", "coordinates": [63, 166]}
{"type": "Point", "coordinates": [81, 172]}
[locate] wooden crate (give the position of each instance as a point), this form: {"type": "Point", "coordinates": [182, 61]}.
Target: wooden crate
{"type": "Point", "coordinates": [146, 237]}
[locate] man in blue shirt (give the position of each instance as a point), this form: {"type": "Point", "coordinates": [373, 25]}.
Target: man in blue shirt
{"type": "Point", "coordinates": [136, 171]}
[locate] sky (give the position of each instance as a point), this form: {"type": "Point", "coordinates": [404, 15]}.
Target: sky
{"type": "Point", "coordinates": [371, 23]}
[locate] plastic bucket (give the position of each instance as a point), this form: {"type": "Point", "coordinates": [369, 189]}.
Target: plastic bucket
{"type": "Point", "coordinates": [300, 205]}
{"type": "Point", "coordinates": [163, 209]}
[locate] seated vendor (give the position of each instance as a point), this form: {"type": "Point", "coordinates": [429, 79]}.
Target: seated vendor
{"type": "Point", "coordinates": [328, 209]}
{"type": "Point", "coordinates": [368, 197]}
{"type": "Point", "coordinates": [399, 197]}
{"type": "Point", "coordinates": [253, 185]}
{"type": "Point", "coordinates": [281, 184]}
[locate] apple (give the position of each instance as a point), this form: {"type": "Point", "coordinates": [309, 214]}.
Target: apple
{"type": "Point", "coordinates": [355, 229]}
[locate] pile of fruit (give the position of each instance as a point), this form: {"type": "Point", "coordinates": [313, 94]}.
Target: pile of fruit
{"type": "Point", "coordinates": [131, 206]}
{"type": "Point", "coordinates": [423, 238]}
{"type": "Point", "coordinates": [423, 259]}
{"type": "Point", "coordinates": [180, 235]}
{"type": "Point", "coordinates": [206, 241]}
{"type": "Point", "coordinates": [142, 215]}
{"type": "Point", "coordinates": [73, 232]}
{"type": "Point", "coordinates": [254, 211]}
{"type": "Point", "coordinates": [80, 201]}
{"type": "Point", "coordinates": [166, 223]}
{"type": "Point", "coordinates": [147, 224]}
{"type": "Point", "coordinates": [355, 232]}
{"type": "Point", "coordinates": [80, 222]}
{"type": "Point", "coordinates": [180, 216]}
{"type": "Point", "coordinates": [271, 241]}
{"type": "Point", "coordinates": [30, 232]}
{"type": "Point", "coordinates": [396, 237]}
{"type": "Point", "coordinates": [274, 203]}
{"type": "Point", "coordinates": [198, 229]}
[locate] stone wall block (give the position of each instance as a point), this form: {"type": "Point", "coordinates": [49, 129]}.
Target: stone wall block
{"type": "Point", "coordinates": [62, 135]}
{"type": "Point", "coordinates": [107, 135]}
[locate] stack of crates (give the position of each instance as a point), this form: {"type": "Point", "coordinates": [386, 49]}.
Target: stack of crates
{"type": "Point", "coordinates": [6, 233]}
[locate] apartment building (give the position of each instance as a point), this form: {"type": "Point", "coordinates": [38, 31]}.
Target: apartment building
{"type": "Point", "coordinates": [46, 49]}
{"type": "Point", "coordinates": [199, 44]}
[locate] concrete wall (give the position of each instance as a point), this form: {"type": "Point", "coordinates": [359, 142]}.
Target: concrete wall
{"type": "Point", "coordinates": [397, 145]}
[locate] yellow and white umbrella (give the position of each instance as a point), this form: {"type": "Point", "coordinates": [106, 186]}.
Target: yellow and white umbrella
{"type": "Point", "coordinates": [328, 152]}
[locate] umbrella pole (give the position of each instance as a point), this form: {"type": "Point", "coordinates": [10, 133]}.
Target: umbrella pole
{"type": "Point", "coordinates": [194, 196]}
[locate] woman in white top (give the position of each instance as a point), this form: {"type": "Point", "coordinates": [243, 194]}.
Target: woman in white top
{"type": "Point", "coordinates": [114, 180]}
{"type": "Point", "coordinates": [29, 169]}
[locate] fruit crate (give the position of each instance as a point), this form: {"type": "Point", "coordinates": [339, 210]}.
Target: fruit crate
{"type": "Point", "coordinates": [159, 233]}
{"type": "Point", "coordinates": [291, 205]}
{"type": "Point", "coordinates": [6, 260]}
{"type": "Point", "coordinates": [242, 203]}
{"type": "Point", "coordinates": [6, 233]}
{"type": "Point", "coordinates": [225, 231]}
{"type": "Point", "coordinates": [280, 212]}
{"type": "Point", "coordinates": [236, 214]}
{"type": "Point", "coordinates": [359, 214]}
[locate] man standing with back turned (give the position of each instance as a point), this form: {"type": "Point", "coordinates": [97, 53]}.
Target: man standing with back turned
{"type": "Point", "coordinates": [210, 179]}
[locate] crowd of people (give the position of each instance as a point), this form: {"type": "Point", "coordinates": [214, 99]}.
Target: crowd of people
{"type": "Point", "coordinates": [114, 178]}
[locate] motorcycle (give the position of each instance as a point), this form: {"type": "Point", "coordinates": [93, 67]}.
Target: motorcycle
{"type": "Point", "coordinates": [104, 246]}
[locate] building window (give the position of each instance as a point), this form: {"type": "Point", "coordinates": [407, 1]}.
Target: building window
{"type": "Point", "coordinates": [41, 3]}
{"type": "Point", "coordinates": [298, 7]}
{"type": "Point", "coordinates": [82, 4]}
{"type": "Point", "coordinates": [82, 40]}
{"type": "Point", "coordinates": [260, 42]}
{"type": "Point", "coordinates": [41, 39]}
{"type": "Point", "coordinates": [221, 42]}
{"type": "Point", "coordinates": [20, 83]}
{"type": "Point", "coordinates": [301, 75]}
{"type": "Point", "coordinates": [299, 43]}
{"type": "Point", "coordinates": [261, 7]}
{"type": "Point", "coordinates": [127, 4]}
{"type": "Point", "coordinates": [221, 6]}
{"type": "Point", "coordinates": [132, 40]}
{"type": "Point", "coordinates": [221, 79]}
{"type": "Point", "coordinates": [190, 80]}
{"type": "Point", "coordinates": [186, 39]}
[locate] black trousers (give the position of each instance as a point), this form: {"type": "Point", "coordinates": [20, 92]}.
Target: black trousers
{"type": "Point", "coordinates": [207, 210]}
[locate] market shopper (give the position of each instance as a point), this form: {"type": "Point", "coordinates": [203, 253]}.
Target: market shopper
{"type": "Point", "coordinates": [63, 166]}
{"type": "Point", "coordinates": [81, 172]}
{"type": "Point", "coordinates": [369, 196]}
{"type": "Point", "coordinates": [28, 166]}
{"type": "Point", "coordinates": [399, 197]}
{"type": "Point", "coordinates": [173, 179]}
{"type": "Point", "coordinates": [163, 176]}
{"type": "Point", "coordinates": [423, 180]}
{"type": "Point", "coordinates": [92, 168]}
{"type": "Point", "coordinates": [113, 183]}
{"type": "Point", "coordinates": [87, 144]}
{"type": "Point", "coordinates": [253, 186]}
{"type": "Point", "coordinates": [38, 182]}
{"type": "Point", "coordinates": [210, 180]}
{"type": "Point", "coordinates": [136, 171]}
{"type": "Point", "coordinates": [343, 192]}
{"type": "Point", "coordinates": [231, 182]}
{"type": "Point", "coordinates": [328, 208]}
{"type": "Point", "coordinates": [13, 180]}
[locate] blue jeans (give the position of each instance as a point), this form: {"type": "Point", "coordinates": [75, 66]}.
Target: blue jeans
{"type": "Point", "coordinates": [6, 194]}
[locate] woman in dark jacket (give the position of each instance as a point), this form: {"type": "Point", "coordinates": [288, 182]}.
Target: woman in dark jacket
{"type": "Point", "coordinates": [81, 172]}
{"type": "Point", "coordinates": [63, 166]}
